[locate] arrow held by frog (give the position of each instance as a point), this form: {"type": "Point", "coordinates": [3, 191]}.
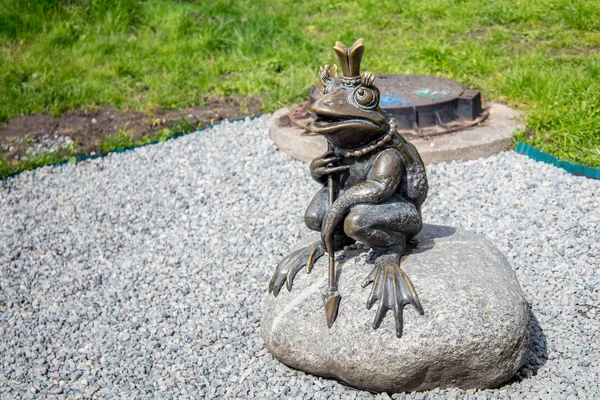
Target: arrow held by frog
{"type": "Point", "coordinates": [331, 297]}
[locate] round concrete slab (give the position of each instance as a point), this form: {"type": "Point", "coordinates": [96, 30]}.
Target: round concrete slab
{"type": "Point", "coordinates": [492, 136]}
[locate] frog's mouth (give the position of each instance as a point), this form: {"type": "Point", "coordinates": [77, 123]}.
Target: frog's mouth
{"type": "Point", "coordinates": [329, 124]}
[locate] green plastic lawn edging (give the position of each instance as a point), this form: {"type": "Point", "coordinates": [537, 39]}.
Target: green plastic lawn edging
{"type": "Point", "coordinates": [86, 157]}
{"type": "Point", "coordinates": [572, 168]}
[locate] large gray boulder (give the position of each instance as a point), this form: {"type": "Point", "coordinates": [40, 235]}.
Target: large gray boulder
{"type": "Point", "coordinates": [475, 332]}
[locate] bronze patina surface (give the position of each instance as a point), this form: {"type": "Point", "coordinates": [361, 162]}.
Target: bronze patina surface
{"type": "Point", "coordinates": [424, 106]}
{"type": "Point", "coordinates": [374, 184]}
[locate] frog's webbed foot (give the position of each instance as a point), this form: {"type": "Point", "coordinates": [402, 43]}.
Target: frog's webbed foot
{"type": "Point", "coordinates": [294, 262]}
{"type": "Point", "coordinates": [393, 289]}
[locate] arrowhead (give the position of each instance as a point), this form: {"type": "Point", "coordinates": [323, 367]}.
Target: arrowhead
{"type": "Point", "coordinates": [331, 299]}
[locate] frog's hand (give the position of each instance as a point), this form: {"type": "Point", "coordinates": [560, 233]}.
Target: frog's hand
{"type": "Point", "coordinates": [394, 290]}
{"type": "Point", "coordinates": [294, 262]}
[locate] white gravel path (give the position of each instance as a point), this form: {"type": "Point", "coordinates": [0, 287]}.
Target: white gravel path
{"type": "Point", "coordinates": [140, 274]}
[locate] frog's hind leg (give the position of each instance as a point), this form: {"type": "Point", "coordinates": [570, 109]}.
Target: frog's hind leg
{"type": "Point", "coordinates": [386, 228]}
{"type": "Point", "coordinates": [392, 287]}
{"type": "Point", "coordinates": [288, 267]}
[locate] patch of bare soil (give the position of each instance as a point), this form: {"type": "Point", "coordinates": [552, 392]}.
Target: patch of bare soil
{"type": "Point", "coordinates": [31, 134]}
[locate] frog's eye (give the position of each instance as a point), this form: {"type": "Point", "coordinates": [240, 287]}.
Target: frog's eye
{"type": "Point", "coordinates": [366, 97]}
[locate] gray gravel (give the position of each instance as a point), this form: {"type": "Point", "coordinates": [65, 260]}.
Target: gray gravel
{"type": "Point", "coordinates": [139, 275]}
{"type": "Point", "coordinates": [37, 145]}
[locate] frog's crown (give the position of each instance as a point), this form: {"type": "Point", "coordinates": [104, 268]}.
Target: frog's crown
{"type": "Point", "coordinates": [350, 57]}
{"type": "Point", "coordinates": [350, 61]}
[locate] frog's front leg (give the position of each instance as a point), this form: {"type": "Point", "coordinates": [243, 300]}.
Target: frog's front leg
{"type": "Point", "coordinates": [315, 214]}
{"type": "Point", "coordinates": [380, 185]}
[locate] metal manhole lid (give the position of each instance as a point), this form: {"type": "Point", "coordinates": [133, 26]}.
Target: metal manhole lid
{"type": "Point", "coordinates": [416, 90]}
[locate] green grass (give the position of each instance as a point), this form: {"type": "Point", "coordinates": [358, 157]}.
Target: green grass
{"type": "Point", "coordinates": [542, 56]}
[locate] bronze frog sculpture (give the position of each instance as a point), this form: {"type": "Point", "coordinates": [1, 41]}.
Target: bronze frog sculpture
{"type": "Point", "coordinates": [374, 186]}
